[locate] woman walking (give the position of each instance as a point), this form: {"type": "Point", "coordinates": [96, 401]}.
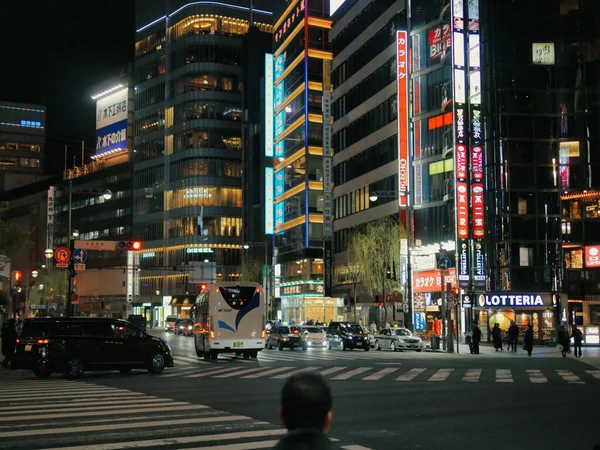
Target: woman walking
{"type": "Point", "coordinates": [529, 339]}
{"type": "Point", "coordinates": [497, 337]}
{"type": "Point", "coordinates": [563, 340]}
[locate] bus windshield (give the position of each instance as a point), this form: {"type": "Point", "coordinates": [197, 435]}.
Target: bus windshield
{"type": "Point", "coordinates": [237, 296]}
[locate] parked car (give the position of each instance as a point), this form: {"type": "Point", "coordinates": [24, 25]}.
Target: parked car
{"type": "Point", "coordinates": [170, 323]}
{"type": "Point", "coordinates": [75, 345]}
{"type": "Point", "coordinates": [285, 336]}
{"type": "Point", "coordinates": [397, 339]}
{"type": "Point", "coordinates": [346, 335]}
{"type": "Point", "coordinates": [314, 336]}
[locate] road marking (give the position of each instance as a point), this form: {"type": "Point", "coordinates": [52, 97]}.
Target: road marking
{"type": "Point", "coordinates": [570, 377]}
{"type": "Point", "coordinates": [62, 406]}
{"type": "Point", "coordinates": [245, 446]}
{"type": "Point", "coordinates": [180, 440]}
{"type": "Point", "coordinates": [269, 372]}
{"type": "Point", "coordinates": [90, 396]}
{"type": "Point", "coordinates": [31, 391]}
{"type": "Point", "coordinates": [122, 426]}
{"type": "Point", "coordinates": [472, 375]}
{"type": "Point", "coordinates": [503, 376]}
{"type": "Point", "coordinates": [441, 375]}
{"type": "Point", "coordinates": [410, 375]}
{"type": "Point", "coordinates": [355, 447]}
{"type": "Point", "coordinates": [390, 364]}
{"type": "Point", "coordinates": [190, 359]}
{"type": "Point", "coordinates": [179, 373]}
{"type": "Point", "coordinates": [536, 376]}
{"type": "Point", "coordinates": [62, 409]}
{"type": "Point", "coordinates": [331, 370]}
{"type": "Point", "coordinates": [210, 372]}
{"type": "Point", "coordinates": [239, 372]}
{"type": "Point", "coordinates": [594, 373]}
{"type": "Point", "coordinates": [289, 374]}
{"type": "Point", "coordinates": [379, 375]}
{"type": "Point", "coordinates": [350, 374]}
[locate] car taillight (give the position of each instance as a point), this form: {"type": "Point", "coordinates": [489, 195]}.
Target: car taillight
{"type": "Point", "coordinates": [42, 341]}
{"type": "Point", "coordinates": [18, 340]}
{"type": "Point", "coordinates": [212, 334]}
{"type": "Point", "coordinates": [263, 334]}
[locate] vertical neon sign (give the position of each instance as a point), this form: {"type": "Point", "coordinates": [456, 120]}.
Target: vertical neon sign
{"type": "Point", "coordinates": [268, 105]}
{"type": "Point", "coordinates": [269, 228]}
{"type": "Point", "coordinates": [402, 100]}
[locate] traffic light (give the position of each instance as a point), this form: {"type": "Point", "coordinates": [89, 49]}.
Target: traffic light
{"type": "Point", "coordinates": [16, 278]}
{"type": "Point", "coordinates": [73, 285]}
{"type": "Point", "coordinates": [130, 245]}
{"type": "Point", "coordinates": [456, 294]}
{"type": "Point", "coordinates": [203, 286]}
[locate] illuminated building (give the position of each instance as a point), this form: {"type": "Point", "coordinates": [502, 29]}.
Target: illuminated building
{"type": "Point", "coordinates": [300, 64]}
{"type": "Point", "coordinates": [187, 180]}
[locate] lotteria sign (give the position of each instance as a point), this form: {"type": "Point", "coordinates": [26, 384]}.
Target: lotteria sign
{"type": "Point", "coordinates": [510, 299]}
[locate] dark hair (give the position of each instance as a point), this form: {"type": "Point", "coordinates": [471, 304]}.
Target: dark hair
{"type": "Point", "coordinates": [305, 401]}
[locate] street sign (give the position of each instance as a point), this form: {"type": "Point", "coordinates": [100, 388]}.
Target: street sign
{"type": "Point", "coordinates": [74, 297]}
{"type": "Point", "coordinates": [62, 255]}
{"type": "Point", "coordinates": [96, 245]}
{"type": "Point", "coordinates": [444, 263]}
{"type": "Point", "coordinates": [79, 267]}
{"type": "Point", "coordinates": [74, 302]}
{"type": "Point", "coordinates": [80, 256]}
{"type": "Point", "coordinates": [62, 264]}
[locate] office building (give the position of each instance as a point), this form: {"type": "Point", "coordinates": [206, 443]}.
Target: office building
{"type": "Point", "coordinates": [187, 180]}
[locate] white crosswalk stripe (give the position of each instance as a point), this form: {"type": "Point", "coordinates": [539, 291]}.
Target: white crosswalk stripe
{"type": "Point", "coordinates": [536, 376]}
{"type": "Point", "coordinates": [410, 375]}
{"type": "Point", "coordinates": [379, 375]}
{"type": "Point", "coordinates": [570, 377]}
{"type": "Point", "coordinates": [331, 370]}
{"type": "Point", "coordinates": [238, 373]}
{"type": "Point", "coordinates": [270, 372]}
{"type": "Point", "coordinates": [145, 422]}
{"type": "Point", "coordinates": [441, 375]}
{"type": "Point", "coordinates": [347, 375]}
{"type": "Point", "coordinates": [594, 373]}
{"type": "Point", "coordinates": [503, 376]}
{"type": "Point", "coordinates": [472, 375]}
{"type": "Point", "coordinates": [289, 374]}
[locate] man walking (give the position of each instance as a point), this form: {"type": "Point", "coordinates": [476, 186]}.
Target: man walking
{"type": "Point", "coordinates": [306, 413]}
{"type": "Point", "coordinates": [513, 336]}
{"type": "Point", "coordinates": [476, 339]}
{"type": "Point", "coordinates": [577, 336]}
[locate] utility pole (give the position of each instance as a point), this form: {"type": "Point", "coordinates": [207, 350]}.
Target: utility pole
{"type": "Point", "coordinates": [449, 327]}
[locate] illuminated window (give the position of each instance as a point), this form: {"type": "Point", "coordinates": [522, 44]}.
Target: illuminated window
{"type": "Point", "coordinates": [227, 84]}
{"type": "Point", "coordinates": [169, 144]}
{"type": "Point", "coordinates": [169, 117]}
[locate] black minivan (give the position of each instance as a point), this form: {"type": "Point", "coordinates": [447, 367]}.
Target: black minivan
{"type": "Point", "coordinates": [74, 345]}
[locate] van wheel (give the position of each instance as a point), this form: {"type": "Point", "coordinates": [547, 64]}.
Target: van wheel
{"type": "Point", "coordinates": [393, 347]}
{"type": "Point", "coordinates": [280, 346]}
{"type": "Point", "coordinates": [74, 368]}
{"type": "Point", "coordinates": [157, 363]}
{"type": "Point", "coordinates": [342, 345]}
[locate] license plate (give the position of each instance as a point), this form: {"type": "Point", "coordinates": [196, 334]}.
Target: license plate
{"type": "Point", "coordinates": [238, 344]}
{"type": "Point", "coordinates": [28, 348]}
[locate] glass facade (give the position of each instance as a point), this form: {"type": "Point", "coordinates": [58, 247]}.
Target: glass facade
{"type": "Point", "coordinates": [187, 197]}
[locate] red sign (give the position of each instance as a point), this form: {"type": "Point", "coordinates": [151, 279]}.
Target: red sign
{"type": "Point", "coordinates": [438, 40]}
{"type": "Point", "coordinates": [461, 162]}
{"type": "Point", "coordinates": [288, 23]}
{"type": "Point", "coordinates": [462, 209]}
{"type": "Point", "coordinates": [477, 162]}
{"type": "Point", "coordinates": [402, 100]}
{"type": "Point", "coordinates": [478, 210]}
{"type": "Point", "coordinates": [592, 256]}
{"type": "Point", "coordinates": [62, 255]}
{"type": "Point", "coordinates": [431, 280]}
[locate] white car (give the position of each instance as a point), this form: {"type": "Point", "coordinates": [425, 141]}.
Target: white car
{"type": "Point", "coordinates": [314, 336]}
{"type": "Point", "coordinates": [397, 339]}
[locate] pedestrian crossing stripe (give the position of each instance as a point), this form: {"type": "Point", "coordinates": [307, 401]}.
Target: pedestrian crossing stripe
{"type": "Point", "coordinates": [148, 422]}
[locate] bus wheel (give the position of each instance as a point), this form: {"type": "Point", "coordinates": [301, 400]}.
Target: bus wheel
{"type": "Point", "coordinates": [246, 355]}
{"type": "Point", "coordinates": [254, 354]}
{"type": "Point", "coordinates": [206, 355]}
{"type": "Point", "coordinates": [214, 354]}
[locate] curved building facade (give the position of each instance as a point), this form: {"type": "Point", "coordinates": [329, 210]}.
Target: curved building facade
{"type": "Point", "coordinates": [187, 198]}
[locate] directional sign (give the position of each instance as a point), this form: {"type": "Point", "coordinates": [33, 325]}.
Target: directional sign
{"type": "Point", "coordinates": [97, 245]}
{"type": "Point", "coordinates": [79, 267]}
{"type": "Point", "coordinates": [80, 256]}
{"type": "Point", "coordinates": [444, 263]}
{"type": "Point", "coordinates": [62, 255]}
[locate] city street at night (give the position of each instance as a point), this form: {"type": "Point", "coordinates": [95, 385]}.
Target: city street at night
{"type": "Point", "coordinates": [382, 400]}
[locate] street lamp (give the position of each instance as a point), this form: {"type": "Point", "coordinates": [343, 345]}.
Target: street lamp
{"type": "Point", "coordinates": [267, 286]}
{"type": "Point", "coordinates": [107, 194]}
{"type": "Point", "coordinates": [49, 253]}
{"type": "Point", "coordinates": [75, 233]}
{"type": "Point", "coordinates": [246, 246]}
{"type": "Point", "coordinates": [373, 197]}
{"type": "Point", "coordinates": [34, 274]}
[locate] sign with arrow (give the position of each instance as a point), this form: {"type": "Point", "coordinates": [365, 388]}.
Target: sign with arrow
{"type": "Point", "coordinates": [444, 263]}
{"type": "Point", "coordinates": [80, 256]}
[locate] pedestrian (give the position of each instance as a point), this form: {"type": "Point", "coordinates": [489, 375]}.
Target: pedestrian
{"type": "Point", "coordinates": [9, 337]}
{"type": "Point", "coordinates": [529, 339]}
{"type": "Point", "coordinates": [469, 340]}
{"type": "Point", "coordinates": [497, 337]}
{"type": "Point", "coordinates": [563, 340]}
{"type": "Point", "coordinates": [577, 336]}
{"type": "Point", "coordinates": [306, 413]}
{"type": "Point", "coordinates": [373, 328]}
{"type": "Point", "coordinates": [476, 339]}
{"type": "Point", "coordinates": [513, 336]}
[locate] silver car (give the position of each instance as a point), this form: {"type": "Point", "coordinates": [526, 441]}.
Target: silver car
{"type": "Point", "coordinates": [397, 339]}
{"type": "Point", "coordinates": [314, 336]}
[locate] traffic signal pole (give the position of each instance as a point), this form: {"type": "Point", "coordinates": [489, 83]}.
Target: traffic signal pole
{"type": "Point", "coordinates": [71, 270]}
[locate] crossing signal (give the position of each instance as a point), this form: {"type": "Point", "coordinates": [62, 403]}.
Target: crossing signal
{"type": "Point", "coordinates": [130, 245]}
{"type": "Point", "coordinates": [17, 276]}
{"type": "Point", "coordinates": [456, 294]}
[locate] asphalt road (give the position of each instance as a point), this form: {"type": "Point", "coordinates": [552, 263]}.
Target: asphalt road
{"type": "Point", "coordinates": [382, 400]}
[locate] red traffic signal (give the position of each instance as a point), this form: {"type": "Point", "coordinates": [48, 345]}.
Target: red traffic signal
{"type": "Point", "coordinates": [17, 275]}
{"type": "Point", "coordinates": [137, 245]}
{"type": "Point", "coordinates": [130, 245]}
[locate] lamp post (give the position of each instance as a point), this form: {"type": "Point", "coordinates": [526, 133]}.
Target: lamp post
{"type": "Point", "coordinates": [267, 286]}
{"type": "Point", "coordinates": [107, 195]}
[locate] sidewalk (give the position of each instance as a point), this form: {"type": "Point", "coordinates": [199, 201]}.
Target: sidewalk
{"type": "Point", "coordinates": [591, 355]}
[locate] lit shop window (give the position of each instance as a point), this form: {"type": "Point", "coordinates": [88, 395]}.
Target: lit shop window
{"type": "Point", "coordinates": [203, 196]}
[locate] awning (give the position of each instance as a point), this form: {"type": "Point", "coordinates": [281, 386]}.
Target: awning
{"type": "Point", "coordinates": [182, 301]}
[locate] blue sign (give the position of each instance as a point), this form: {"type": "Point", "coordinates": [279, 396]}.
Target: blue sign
{"type": "Point", "coordinates": [269, 214]}
{"type": "Point", "coordinates": [80, 256]}
{"type": "Point", "coordinates": [444, 263]}
{"type": "Point", "coordinates": [419, 321]}
{"type": "Point", "coordinates": [111, 137]}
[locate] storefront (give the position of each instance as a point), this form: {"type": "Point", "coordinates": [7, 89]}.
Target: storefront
{"type": "Point", "coordinates": [537, 309]}
{"type": "Point", "coordinates": [181, 306]}
{"type": "Point", "coordinates": [585, 314]}
{"type": "Point", "coordinates": [152, 311]}
{"type": "Point", "coordinates": [427, 298]}
{"type": "Point", "coordinates": [301, 309]}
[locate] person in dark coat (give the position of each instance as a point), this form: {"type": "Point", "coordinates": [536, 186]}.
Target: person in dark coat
{"type": "Point", "coordinates": [9, 337]}
{"type": "Point", "coordinates": [529, 339]}
{"type": "Point", "coordinates": [306, 413]}
{"type": "Point", "coordinates": [497, 337]}
{"type": "Point", "coordinates": [476, 339]}
{"type": "Point", "coordinates": [563, 340]}
{"type": "Point", "coordinates": [513, 336]}
{"type": "Point", "coordinates": [577, 336]}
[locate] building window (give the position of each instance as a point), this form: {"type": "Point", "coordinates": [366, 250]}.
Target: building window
{"type": "Point", "coordinates": [525, 256]}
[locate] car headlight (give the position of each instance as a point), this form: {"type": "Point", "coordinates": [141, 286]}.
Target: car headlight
{"type": "Point", "coordinates": [189, 327]}
{"type": "Point", "coordinates": [401, 341]}
{"type": "Point", "coordinates": [284, 339]}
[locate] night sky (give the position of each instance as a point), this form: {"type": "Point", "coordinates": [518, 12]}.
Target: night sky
{"type": "Point", "coordinates": [55, 52]}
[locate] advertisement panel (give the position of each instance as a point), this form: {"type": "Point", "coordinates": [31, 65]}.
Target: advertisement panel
{"type": "Point", "coordinates": [592, 256]}
{"type": "Point", "coordinates": [50, 217]}
{"type": "Point", "coordinates": [269, 227]}
{"type": "Point", "coordinates": [269, 105]}
{"type": "Point", "coordinates": [328, 268]}
{"type": "Point", "coordinates": [111, 122]}
{"type": "Point", "coordinates": [514, 299]}
{"type": "Point", "coordinates": [439, 40]}
{"type": "Point", "coordinates": [462, 210]}
{"type": "Point", "coordinates": [431, 280]}
{"type": "Point", "coordinates": [479, 265]}
{"type": "Point", "coordinates": [402, 101]}
{"type": "Point", "coordinates": [463, 263]}
{"type": "Point", "coordinates": [289, 23]}
{"type": "Point", "coordinates": [478, 211]}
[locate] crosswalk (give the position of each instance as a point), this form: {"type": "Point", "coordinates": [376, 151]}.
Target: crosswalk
{"type": "Point", "coordinates": [68, 415]}
{"type": "Point", "coordinates": [227, 369]}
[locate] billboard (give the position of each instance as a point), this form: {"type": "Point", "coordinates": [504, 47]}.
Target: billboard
{"type": "Point", "coordinates": [402, 100]}
{"type": "Point", "coordinates": [111, 122]}
{"type": "Point", "coordinates": [268, 105]}
{"type": "Point", "coordinates": [269, 227]}
{"type": "Point", "coordinates": [334, 5]}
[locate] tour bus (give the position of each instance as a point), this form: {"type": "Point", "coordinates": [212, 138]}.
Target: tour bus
{"type": "Point", "coordinates": [229, 317]}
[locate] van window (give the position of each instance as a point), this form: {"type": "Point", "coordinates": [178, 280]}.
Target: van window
{"type": "Point", "coordinates": [68, 329]}
{"type": "Point", "coordinates": [98, 329]}
{"type": "Point", "coordinates": [38, 329]}
{"type": "Point", "coordinates": [123, 331]}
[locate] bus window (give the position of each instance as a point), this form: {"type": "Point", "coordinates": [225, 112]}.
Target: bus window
{"type": "Point", "coordinates": [238, 296]}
